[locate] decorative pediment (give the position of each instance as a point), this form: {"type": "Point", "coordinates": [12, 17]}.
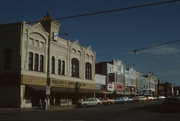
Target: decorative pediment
{"type": "Point", "coordinates": [39, 28]}
{"type": "Point", "coordinates": [89, 48]}
{"type": "Point", "coordinates": [76, 44]}
{"type": "Point", "coordinates": [38, 36]}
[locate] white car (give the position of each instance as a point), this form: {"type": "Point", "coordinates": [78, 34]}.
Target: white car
{"type": "Point", "coordinates": [139, 99]}
{"type": "Point", "coordinates": [90, 102]}
{"type": "Point", "coordinates": [161, 97]}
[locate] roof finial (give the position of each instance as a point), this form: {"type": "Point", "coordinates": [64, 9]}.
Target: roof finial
{"type": "Point", "coordinates": [48, 13]}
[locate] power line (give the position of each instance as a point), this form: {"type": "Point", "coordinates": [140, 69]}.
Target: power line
{"type": "Point", "coordinates": [118, 9]}
{"type": "Point", "coordinates": [136, 51]}
{"type": "Point", "coordinates": [157, 45]}
{"type": "Point", "coordinates": [114, 10]}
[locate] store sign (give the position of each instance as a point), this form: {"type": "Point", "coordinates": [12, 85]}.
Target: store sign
{"type": "Point", "coordinates": [118, 86]}
{"type": "Point", "coordinates": [110, 87]}
{"type": "Point", "coordinates": [71, 84]}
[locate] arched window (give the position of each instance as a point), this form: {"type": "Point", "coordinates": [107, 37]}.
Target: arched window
{"type": "Point", "coordinates": [88, 73]}
{"type": "Point", "coordinates": [59, 67]}
{"type": "Point", "coordinates": [36, 64]}
{"type": "Point", "coordinates": [41, 63]}
{"type": "Point", "coordinates": [74, 67]}
{"type": "Point", "coordinates": [63, 67]}
{"type": "Point", "coordinates": [30, 61]}
{"type": "Point", "coordinates": [53, 65]}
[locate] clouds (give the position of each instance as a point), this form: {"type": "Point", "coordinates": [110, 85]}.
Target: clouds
{"type": "Point", "coordinates": [164, 50]}
{"type": "Point", "coordinates": [168, 73]}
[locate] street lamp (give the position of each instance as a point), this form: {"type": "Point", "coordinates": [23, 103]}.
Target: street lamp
{"type": "Point", "coordinates": [76, 90]}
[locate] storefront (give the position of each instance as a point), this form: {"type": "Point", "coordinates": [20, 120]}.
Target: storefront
{"type": "Point", "coordinates": [62, 92]}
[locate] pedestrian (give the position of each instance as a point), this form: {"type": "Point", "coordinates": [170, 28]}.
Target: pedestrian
{"type": "Point", "coordinates": [40, 104]}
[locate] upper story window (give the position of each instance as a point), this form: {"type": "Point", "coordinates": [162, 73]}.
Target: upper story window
{"type": "Point", "coordinates": [91, 57]}
{"type": "Point", "coordinates": [30, 61]}
{"type": "Point", "coordinates": [8, 59]}
{"type": "Point", "coordinates": [41, 63]}
{"type": "Point", "coordinates": [59, 66]}
{"type": "Point", "coordinates": [36, 43]}
{"type": "Point", "coordinates": [31, 41]}
{"type": "Point", "coordinates": [36, 64]}
{"type": "Point", "coordinates": [63, 67]}
{"type": "Point", "coordinates": [88, 70]}
{"type": "Point", "coordinates": [53, 65]}
{"type": "Point", "coordinates": [74, 67]}
{"type": "Point", "coordinates": [41, 44]}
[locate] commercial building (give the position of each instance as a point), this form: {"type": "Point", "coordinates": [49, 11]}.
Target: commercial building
{"type": "Point", "coordinates": [165, 89]}
{"type": "Point", "coordinates": [139, 83]}
{"type": "Point", "coordinates": [35, 61]}
{"type": "Point", "coordinates": [125, 80]}
{"type": "Point", "coordinates": [176, 90]}
{"type": "Point", "coordinates": [153, 83]}
{"type": "Point", "coordinates": [130, 81]}
{"type": "Point", "coordinates": [115, 72]}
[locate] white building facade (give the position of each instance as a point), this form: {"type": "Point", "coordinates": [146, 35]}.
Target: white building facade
{"type": "Point", "coordinates": [24, 65]}
{"type": "Point", "coordinates": [130, 81]}
{"type": "Point", "coordinates": [115, 72]}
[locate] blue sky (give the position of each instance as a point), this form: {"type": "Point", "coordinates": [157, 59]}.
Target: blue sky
{"type": "Point", "coordinates": [113, 32]}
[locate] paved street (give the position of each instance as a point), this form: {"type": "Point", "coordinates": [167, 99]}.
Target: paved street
{"type": "Point", "coordinates": [149, 111]}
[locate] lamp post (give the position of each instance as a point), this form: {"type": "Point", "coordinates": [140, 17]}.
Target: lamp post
{"type": "Point", "coordinates": [48, 88]}
{"type": "Point", "coordinates": [48, 80]}
{"type": "Point", "coordinates": [76, 90]}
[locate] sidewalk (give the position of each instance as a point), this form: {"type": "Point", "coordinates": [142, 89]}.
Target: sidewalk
{"type": "Point", "coordinates": [57, 108]}
{"type": "Point", "coordinates": [53, 108]}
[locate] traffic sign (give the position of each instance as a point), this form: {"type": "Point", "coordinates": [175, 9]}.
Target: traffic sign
{"type": "Point", "coordinates": [48, 90]}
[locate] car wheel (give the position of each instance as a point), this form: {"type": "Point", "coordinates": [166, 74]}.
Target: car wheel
{"type": "Point", "coordinates": [84, 105]}
{"type": "Point", "coordinates": [98, 104]}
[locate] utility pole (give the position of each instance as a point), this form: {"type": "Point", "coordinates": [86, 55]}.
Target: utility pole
{"type": "Point", "coordinates": [48, 88]}
{"type": "Point", "coordinates": [76, 90]}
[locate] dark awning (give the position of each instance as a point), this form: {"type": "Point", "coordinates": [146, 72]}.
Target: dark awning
{"type": "Point", "coordinates": [63, 89]}
{"type": "Point", "coordinates": [37, 87]}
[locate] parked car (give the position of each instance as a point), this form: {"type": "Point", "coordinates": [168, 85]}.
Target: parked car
{"type": "Point", "coordinates": [161, 97]}
{"type": "Point", "coordinates": [106, 101]}
{"type": "Point", "coordinates": [149, 98]}
{"type": "Point", "coordinates": [90, 102]}
{"type": "Point", "coordinates": [122, 100]}
{"type": "Point", "coordinates": [111, 100]}
{"type": "Point", "coordinates": [130, 99]}
{"type": "Point", "coordinates": [139, 99]}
